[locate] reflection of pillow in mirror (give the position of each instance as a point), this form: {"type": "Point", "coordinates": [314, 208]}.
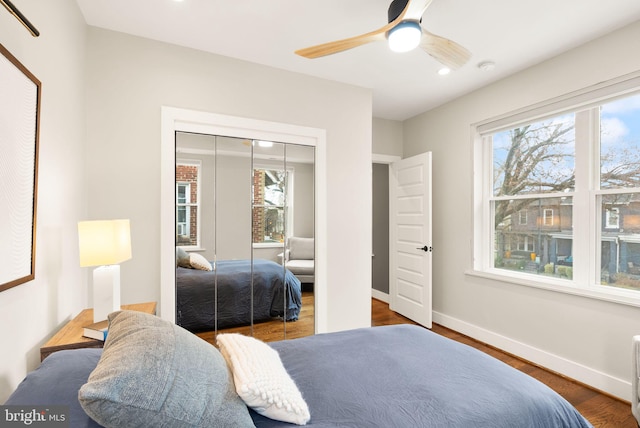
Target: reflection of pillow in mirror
{"type": "Point", "coordinates": [182, 258]}
{"type": "Point", "coordinates": [198, 261]}
{"type": "Point", "coordinates": [261, 379]}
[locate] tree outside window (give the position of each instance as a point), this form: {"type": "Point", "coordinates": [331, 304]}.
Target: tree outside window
{"type": "Point", "coordinates": [544, 169]}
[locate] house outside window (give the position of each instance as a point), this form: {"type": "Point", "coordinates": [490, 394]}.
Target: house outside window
{"type": "Point", "coordinates": [272, 202]}
{"type": "Point", "coordinates": [187, 204]}
{"type": "Point", "coordinates": [576, 175]}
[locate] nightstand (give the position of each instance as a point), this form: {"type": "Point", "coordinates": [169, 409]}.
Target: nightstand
{"type": "Point", "coordinates": [70, 336]}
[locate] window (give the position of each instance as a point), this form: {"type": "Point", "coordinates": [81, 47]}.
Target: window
{"type": "Point", "coordinates": [187, 204]}
{"type": "Point", "coordinates": [572, 180]}
{"type": "Point", "coordinates": [612, 218]}
{"type": "Point", "coordinates": [548, 217]}
{"type": "Point", "coordinates": [522, 217]}
{"type": "Point", "coordinates": [272, 202]}
{"type": "Point", "coordinates": [183, 195]}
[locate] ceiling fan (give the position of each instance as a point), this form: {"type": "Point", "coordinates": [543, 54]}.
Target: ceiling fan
{"type": "Point", "coordinates": [404, 33]}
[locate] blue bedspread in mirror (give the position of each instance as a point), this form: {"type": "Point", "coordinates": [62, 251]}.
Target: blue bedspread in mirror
{"type": "Point", "coordinates": [196, 305]}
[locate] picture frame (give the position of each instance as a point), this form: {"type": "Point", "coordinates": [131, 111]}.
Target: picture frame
{"type": "Point", "coordinates": [20, 93]}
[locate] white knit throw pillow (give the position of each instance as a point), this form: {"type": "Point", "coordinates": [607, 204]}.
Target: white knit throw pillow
{"type": "Point", "coordinates": [261, 380]}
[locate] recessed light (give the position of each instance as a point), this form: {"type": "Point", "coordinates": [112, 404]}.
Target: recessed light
{"type": "Point", "coordinates": [262, 143]}
{"type": "Point", "coordinates": [444, 71]}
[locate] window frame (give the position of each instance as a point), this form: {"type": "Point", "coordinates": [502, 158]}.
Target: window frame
{"type": "Point", "coordinates": [186, 204]}
{"type": "Point", "coordinates": [288, 203]}
{"type": "Point", "coordinates": [526, 217]}
{"type": "Point", "coordinates": [196, 205]}
{"type": "Point", "coordinates": [587, 229]}
{"type": "Point", "coordinates": [547, 217]}
{"type": "Point", "coordinates": [607, 221]}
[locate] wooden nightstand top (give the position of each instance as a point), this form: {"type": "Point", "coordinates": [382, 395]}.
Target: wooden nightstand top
{"type": "Point", "coordinates": [70, 336]}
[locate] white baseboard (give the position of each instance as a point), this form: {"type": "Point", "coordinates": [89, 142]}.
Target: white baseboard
{"type": "Point", "coordinates": [379, 295]}
{"type": "Point", "coordinates": [617, 387]}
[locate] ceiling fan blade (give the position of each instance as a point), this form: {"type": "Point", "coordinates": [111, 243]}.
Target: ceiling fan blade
{"type": "Point", "coordinates": [444, 50]}
{"type": "Point", "coordinates": [342, 45]}
{"type": "Point", "coordinates": [353, 42]}
{"type": "Point", "coordinates": [416, 8]}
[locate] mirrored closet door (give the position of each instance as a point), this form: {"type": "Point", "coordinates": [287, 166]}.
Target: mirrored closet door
{"type": "Point", "coordinates": [244, 212]}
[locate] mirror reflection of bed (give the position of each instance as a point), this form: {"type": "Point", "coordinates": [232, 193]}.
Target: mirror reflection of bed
{"type": "Point", "coordinates": [239, 203]}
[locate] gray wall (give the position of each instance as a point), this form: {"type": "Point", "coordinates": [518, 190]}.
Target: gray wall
{"type": "Point", "coordinates": [586, 338]}
{"type": "Point", "coordinates": [387, 137]}
{"type": "Point", "coordinates": [380, 262]}
{"type": "Point", "coordinates": [130, 78]}
{"type": "Point", "coordinates": [31, 312]}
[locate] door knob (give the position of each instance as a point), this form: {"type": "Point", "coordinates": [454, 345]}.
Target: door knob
{"type": "Point", "coordinates": [425, 249]}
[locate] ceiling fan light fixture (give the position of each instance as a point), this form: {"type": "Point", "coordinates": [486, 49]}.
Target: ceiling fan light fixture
{"type": "Point", "coordinates": [405, 36]}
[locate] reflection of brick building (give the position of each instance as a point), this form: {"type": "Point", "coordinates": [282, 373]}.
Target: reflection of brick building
{"type": "Point", "coordinates": [544, 227]}
{"type": "Point", "coordinates": [186, 193]}
{"type": "Point", "coordinates": [258, 203]}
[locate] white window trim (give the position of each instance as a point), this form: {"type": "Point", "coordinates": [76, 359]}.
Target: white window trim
{"type": "Point", "coordinates": [482, 260]}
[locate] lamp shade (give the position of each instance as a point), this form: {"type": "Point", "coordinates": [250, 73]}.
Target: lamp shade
{"type": "Point", "coordinates": [104, 242]}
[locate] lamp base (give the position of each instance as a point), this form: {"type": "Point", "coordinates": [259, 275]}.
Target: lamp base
{"type": "Point", "coordinates": [106, 291]}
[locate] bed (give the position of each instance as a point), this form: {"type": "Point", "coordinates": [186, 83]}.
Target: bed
{"type": "Point", "coordinates": [272, 297]}
{"type": "Point", "coordinates": [390, 376]}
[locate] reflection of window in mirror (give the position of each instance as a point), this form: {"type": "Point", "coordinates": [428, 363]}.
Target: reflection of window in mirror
{"type": "Point", "coordinates": [187, 203]}
{"type": "Point", "coordinates": [272, 193]}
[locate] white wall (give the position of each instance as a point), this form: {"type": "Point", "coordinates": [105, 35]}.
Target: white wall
{"type": "Point", "coordinates": [130, 78]}
{"type": "Point", "coordinates": [31, 312]}
{"type": "Point", "coordinates": [584, 338]}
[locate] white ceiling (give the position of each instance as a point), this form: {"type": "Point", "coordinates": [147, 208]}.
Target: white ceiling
{"type": "Point", "coordinates": [514, 34]}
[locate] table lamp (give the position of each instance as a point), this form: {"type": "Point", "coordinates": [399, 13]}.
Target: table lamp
{"type": "Point", "coordinates": [104, 243]}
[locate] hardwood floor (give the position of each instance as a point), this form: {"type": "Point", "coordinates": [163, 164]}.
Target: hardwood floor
{"type": "Point", "coordinates": [271, 331]}
{"type": "Point", "coordinates": [600, 409]}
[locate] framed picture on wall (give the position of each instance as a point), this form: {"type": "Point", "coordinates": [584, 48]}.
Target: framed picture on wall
{"type": "Point", "coordinates": [19, 133]}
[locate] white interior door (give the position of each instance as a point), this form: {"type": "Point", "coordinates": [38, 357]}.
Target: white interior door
{"type": "Point", "coordinates": [410, 238]}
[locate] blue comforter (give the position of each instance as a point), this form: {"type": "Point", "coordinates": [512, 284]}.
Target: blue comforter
{"type": "Point", "coordinates": [395, 376]}
{"type": "Point", "coordinates": [407, 376]}
{"type": "Point", "coordinates": [276, 293]}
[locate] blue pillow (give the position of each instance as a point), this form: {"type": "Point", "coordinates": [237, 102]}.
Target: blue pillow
{"type": "Point", "coordinates": [154, 373]}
